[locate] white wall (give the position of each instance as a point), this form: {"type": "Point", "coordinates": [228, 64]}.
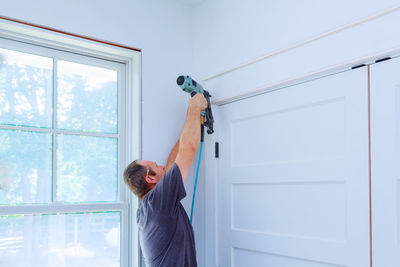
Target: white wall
{"type": "Point", "coordinates": [162, 30]}
{"type": "Point", "coordinates": [232, 32]}
{"type": "Point", "coordinates": [229, 33]}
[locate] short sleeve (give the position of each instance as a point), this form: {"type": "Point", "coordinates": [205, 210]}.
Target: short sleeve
{"type": "Point", "coordinates": [169, 191]}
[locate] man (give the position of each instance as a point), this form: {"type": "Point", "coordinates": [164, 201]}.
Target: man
{"type": "Point", "coordinates": [165, 233]}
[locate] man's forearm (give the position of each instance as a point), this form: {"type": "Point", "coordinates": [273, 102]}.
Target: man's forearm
{"type": "Point", "coordinates": [190, 135]}
{"type": "Point", "coordinates": [191, 131]}
{"type": "Point", "coordinates": [190, 138]}
{"type": "Point", "coordinates": [172, 156]}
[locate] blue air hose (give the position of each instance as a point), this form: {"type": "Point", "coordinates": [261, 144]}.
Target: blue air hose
{"type": "Point", "coordinates": [195, 182]}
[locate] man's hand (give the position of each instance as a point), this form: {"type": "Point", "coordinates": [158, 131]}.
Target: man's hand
{"type": "Point", "coordinates": [198, 101]}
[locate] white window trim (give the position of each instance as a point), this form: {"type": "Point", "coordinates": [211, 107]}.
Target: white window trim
{"type": "Point", "coordinates": [129, 142]}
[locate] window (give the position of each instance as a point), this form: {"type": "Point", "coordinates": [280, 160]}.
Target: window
{"type": "Point", "coordinates": [63, 146]}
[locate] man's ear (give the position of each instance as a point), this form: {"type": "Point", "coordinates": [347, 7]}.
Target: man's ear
{"type": "Point", "coordinates": [150, 180]}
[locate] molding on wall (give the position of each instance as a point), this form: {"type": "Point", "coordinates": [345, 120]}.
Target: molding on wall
{"type": "Point", "coordinates": [361, 42]}
{"type": "Point", "coordinates": [21, 22]}
{"type": "Point", "coordinates": [307, 41]}
{"type": "Point", "coordinates": [319, 73]}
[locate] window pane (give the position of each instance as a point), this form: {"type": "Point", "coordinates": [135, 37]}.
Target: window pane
{"type": "Point", "coordinates": [25, 167]}
{"type": "Point", "coordinates": [86, 168]}
{"type": "Point", "coordinates": [26, 83]}
{"type": "Point", "coordinates": [87, 98]}
{"type": "Point", "coordinates": [66, 240]}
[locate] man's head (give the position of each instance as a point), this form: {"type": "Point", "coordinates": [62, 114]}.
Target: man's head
{"type": "Point", "coordinates": [142, 175]}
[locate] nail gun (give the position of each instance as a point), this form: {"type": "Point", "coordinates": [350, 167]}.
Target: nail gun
{"type": "Point", "coordinates": [192, 87]}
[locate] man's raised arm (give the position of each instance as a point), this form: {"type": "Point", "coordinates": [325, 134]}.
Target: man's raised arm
{"type": "Point", "coordinates": [172, 156]}
{"type": "Point", "coordinates": [190, 138]}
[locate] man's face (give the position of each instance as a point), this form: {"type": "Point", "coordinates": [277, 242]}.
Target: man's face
{"type": "Point", "coordinates": [158, 169]}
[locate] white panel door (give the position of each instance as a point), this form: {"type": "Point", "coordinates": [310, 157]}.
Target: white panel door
{"type": "Point", "coordinates": [385, 167]}
{"type": "Point", "coordinates": [293, 176]}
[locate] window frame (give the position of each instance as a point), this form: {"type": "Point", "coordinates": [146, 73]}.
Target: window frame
{"type": "Point", "coordinates": [58, 46]}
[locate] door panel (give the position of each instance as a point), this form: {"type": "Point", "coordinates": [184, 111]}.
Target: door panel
{"type": "Point", "coordinates": [385, 167]}
{"type": "Point", "coordinates": [293, 180]}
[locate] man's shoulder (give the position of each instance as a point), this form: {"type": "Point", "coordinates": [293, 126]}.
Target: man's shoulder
{"type": "Point", "coordinates": [174, 170]}
{"type": "Point", "coordinates": [173, 173]}
{"type": "Point", "coordinates": [168, 191]}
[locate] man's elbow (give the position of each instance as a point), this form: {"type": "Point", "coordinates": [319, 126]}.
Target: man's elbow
{"type": "Point", "coordinates": [189, 147]}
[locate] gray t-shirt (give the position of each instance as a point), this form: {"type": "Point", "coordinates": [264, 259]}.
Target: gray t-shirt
{"type": "Point", "coordinates": [165, 233]}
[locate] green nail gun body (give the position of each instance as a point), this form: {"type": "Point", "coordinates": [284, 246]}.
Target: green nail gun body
{"type": "Point", "coordinates": [192, 87]}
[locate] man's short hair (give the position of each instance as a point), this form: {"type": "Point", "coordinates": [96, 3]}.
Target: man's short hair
{"type": "Point", "coordinates": [135, 178]}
